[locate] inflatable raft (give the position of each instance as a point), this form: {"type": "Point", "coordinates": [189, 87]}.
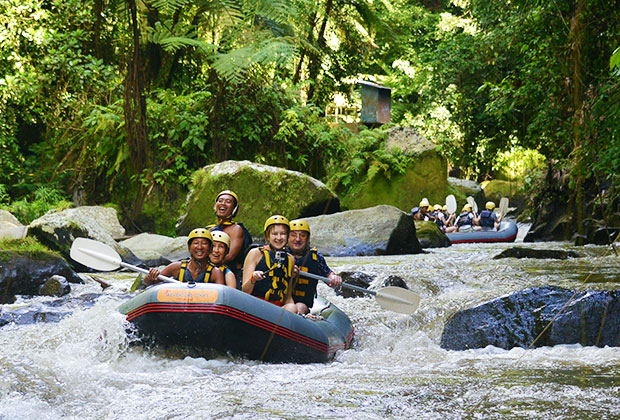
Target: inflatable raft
{"type": "Point", "coordinates": [507, 232]}
{"type": "Point", "coordinates": [220, 318]}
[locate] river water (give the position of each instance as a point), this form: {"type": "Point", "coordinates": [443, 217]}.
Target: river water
{"type": "Point", "coordinates": [84, 368]}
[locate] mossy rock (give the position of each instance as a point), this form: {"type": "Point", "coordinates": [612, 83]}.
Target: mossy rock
{"type": "Point", "coordinates": [496, 189]}
{"type": "Point", "coordinates": [464, 188]}
{"type": "Point", "coordinates": [430, 236]}
{"type": "Point", "coordinates": [426, 176]}
{"type": "Point", "coordinates": [262, 190]}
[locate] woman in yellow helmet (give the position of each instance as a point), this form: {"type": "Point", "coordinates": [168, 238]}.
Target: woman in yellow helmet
{"type": "Point", "coordinates": [268, 270]}
{"type": "Point", "coordinates": [197, 268]}
{"type": "Point", "coordinates": [221, 245]}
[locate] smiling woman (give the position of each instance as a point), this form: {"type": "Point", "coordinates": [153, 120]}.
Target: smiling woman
{"type": "Point", "coordinates": [268, 270]}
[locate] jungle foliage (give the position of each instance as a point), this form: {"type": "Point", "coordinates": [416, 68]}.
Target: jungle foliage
{"type": "Point", "coordinates": [118, 101]}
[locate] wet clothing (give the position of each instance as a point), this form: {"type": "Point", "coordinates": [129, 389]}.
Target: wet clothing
{"type": "Point", "coordinates": [236, 265]}
{"type": "Point", "coordinates": [278, 269]}
{"type": "Point", "coordinates": [488, 219]}
{"type": "Point", "coordinates": [311, 262]}
{"type": "Point", "coordinates": [203, 277]}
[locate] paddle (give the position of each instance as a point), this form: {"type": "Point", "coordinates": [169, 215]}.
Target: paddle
{"type": "Point", "coordinates": [451, 204]}
{"type": "Point", "coordinates": [99, 256]}
{"type": "Point", "coordinates": [472, 203]}
{"type": "Point", "coordinates": [393, 298]}
{"type": "Point", "coordinates": [503, 206]}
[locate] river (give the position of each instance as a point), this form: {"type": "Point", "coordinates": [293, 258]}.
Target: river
{"type": "Point", "coordinates": [83, 368]}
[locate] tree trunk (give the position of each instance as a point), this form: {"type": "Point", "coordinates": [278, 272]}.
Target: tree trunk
{"type": "Point", "coordinates": [315, 59]}
{"type": "Point", "coordinates": [135, 112]}
{"type": "Point", "coordinates": [576, 37]}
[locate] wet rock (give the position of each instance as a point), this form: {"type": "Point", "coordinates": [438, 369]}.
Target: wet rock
{"type": "Point", "coordinates": [430, 236]}
{"type": "Point", "coordinates": [25, 273]}
{"type": "Point", "coordinates": [521, 252]}
{"type": "Point", "coordinates": [263, 191]}
{"type": "Point", "coordinates": [57, 230]}
{"type": "Point", "coordinates": [155, 250]}
{"type": "Point", "coordinates": [10, 227]}
{"type": "Point", "coordinates": [592, 318]}
{"type": "Point", "coordinates": [467, 188]}
{"type": "Point", "coordinates": [395, 281]}
{"type": "Point", "coordinates": [55, 286]}
{"type": "Point", "coordinates": [380, 230]}
{"type": "Point", "coordinates": [356, 278]}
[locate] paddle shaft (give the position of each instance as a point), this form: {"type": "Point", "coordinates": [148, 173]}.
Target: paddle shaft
{"type": "Point", "coordinates": [326, 280]}
{"type": "Point", "coordinates": [145, 271]}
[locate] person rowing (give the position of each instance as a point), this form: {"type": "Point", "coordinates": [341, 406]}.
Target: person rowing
{"type": "Point", "coordinates": [487, 219]}
{"type": "Point", "coordinates": [465, 220]}
{"type": "Point", "coordinates": [197, 268]}
{"type": "Point", "coordinates": [221, 245]}
{"type": "Point", "coordinates": [268, 270]}
{"type": "Point", "coordinates": [310, 260]}
{"type": "Point", "coordinates": [226, 207]}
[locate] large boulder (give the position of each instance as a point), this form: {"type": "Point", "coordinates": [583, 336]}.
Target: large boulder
{"type": "Point", "coordinates": [590, 318]}
{"type": "Point", "coordinates": [430, 236]}
{"type": "Point", "coordinates": [57, 230]}
{"type": "Point", "coordinates": [157, 250]}
{"type": "Point", "coordinates": [424, 177]}
{"type": "Point", "coordinates": [380, 230]}
{"type": "Point", "coordinates": [466, 188]}
{"type": "Point", "coordinates": [263, 191]}
{"type": "Point", "coordinates": [23, 273]}
{"type": "Point", "coordinates": [495, 189]}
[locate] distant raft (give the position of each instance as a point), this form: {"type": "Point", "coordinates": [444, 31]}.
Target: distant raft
{"type": "Point", "coordinates": [216, 317]}
{"type": "Point", "coordinates": [507, 233]}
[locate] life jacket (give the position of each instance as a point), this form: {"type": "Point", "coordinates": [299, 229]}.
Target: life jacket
{"type": "Point", "coordinates": [487, 219]}
{"type": "Point", "coordinates": [439, 219]}
{"type": "Point", "coordinates": [237, 263]}
{"type": "Point", "coordinates": [464, 219]}
{"type": "Point", "coordinates": [203, 276]}
{"type": "Point", "coordinates": [305, 289]}
{"type": "Point", "coordinates": [278, 271]}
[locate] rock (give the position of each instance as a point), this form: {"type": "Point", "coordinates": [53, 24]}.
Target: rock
{"type": "Point", "coordinates": [356, 278]}
{"type": "Point", "coordinates": [430, 236]}
{"type": "Point", "coordinates": [592, 318]}
{"type": "Point", "coordinates": [24, 274]}
{"type": "Point", "coordinates": [156, 250]}
{"type": "Point", "coordinates": [425, 177]}
{"type": "Point", "coordinates": [380, 230]}
{"type": "Point", "coordinates": [10, 227]}
{"type": "Point", "coordinates": [495, 189]}
{"type": "Point", "coordinates": [57, 230]}
{"type": "Point", "coordinates": [520, 252]}
{"type": "Point", "coordinates": [395, 281]}
{"type": "Point", "coordinates": [55, 286]}
{"type": "Point", "coordinates": [263, 191]}
{"type": "Point", "coordinates": [465, 188]}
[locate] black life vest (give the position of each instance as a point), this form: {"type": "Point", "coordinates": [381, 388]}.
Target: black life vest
{"type": "Point", "coordinates": [305, 289]}
{"type": "Point", "coordinates": [464, 219]}
{"type": "Point", "coordinates": [237, 263]}
{"type": "Point", "coordinates": [278, 269]}
{"type": "Point", "coordinates": [486, 219]}
{"type": "Point", "coordinates": [203, 277]}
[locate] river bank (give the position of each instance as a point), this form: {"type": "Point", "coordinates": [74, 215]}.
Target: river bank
{"type": "Point", "coordinates": [83, 367]}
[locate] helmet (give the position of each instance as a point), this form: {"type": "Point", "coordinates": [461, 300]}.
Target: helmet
{"type": "Point", "coordinates": [276, 220]}
{"type": "Point", "coordinates": [299, 224]}
{"type": "Point", "coordinates": [467, 207]}
{"type": "Point", "coordinates": [424, 202]}
{"type": "Point", "coordinates": [437, 207]}
{"type": "Point", "coordinates": [445, 207]}
{"type": "Point", "coordinates": [231, 193]}
{"type": "Point", "coordinates": [199, 233]}
{"type": "Point", "coordinates": [490, 205]}
{"type": "Point", "coordinates": [219, 236]}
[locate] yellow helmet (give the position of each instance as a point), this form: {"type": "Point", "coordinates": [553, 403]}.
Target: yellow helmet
{"type": "Point", "coordinates": [490, 205]}
{"type": "Point", "coordinates": [199, 233]}
{"type": "Point", "coordinates": [276, 219]}
{"type": "Point", "coordinates": [424, 202]}
{"type": "Point", "coordinates": [467, 207]}
{"type": "Point", "coordinates": [231, 193]}
{"type": "Point", "coordinates": [437, 207]}
{"type": "Point", "coordinates": [445, 207]}
{"type": "Point", "coordinates": [219, 236]}
{"type": "Point", "coordinates": [299, 224]}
